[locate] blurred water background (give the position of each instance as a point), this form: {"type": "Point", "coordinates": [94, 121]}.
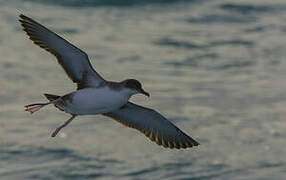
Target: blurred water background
{"type": "Point", "coordinates": [215, 68]}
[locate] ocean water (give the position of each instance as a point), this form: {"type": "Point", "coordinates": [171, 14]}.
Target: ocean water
{"type": "Point", "coordinates": [215, 68]}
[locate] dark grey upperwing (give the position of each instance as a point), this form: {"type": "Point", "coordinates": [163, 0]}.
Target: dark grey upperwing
{"type": "Point", "coordinates": [74, 61]}
{"type": "Point", "coordinates": [155, 126]}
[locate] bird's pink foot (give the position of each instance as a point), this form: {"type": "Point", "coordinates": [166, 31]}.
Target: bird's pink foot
{"type": "Point", "coordinates": [34, 107]}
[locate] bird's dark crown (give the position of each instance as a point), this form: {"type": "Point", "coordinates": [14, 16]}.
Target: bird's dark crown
{"type": "Point", "coordinates": [132, 84]}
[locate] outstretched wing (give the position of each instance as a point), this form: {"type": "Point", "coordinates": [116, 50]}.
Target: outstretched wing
{"type": "Point", "coordinates": [155, 126]}
{"type": "Point", "coordinates": [74, 61]}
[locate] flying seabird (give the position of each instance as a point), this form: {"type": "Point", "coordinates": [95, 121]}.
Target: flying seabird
{"type": "Point", "coordinates": [95, 95]}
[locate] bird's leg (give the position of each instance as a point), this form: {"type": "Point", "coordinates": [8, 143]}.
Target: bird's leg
{"type": "Point", "coordinates": [62, 126]}
{"type": "Point", "coordinates": [35, 107]}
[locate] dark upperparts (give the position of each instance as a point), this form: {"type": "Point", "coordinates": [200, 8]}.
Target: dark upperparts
{"type": "Point", "coordinates": [128, 83]}
{"type": "Point", "coordinates": [134, 84]}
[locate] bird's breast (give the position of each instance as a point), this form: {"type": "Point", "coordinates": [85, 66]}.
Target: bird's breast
{"type": "Point", "coordinates": [96, 100]}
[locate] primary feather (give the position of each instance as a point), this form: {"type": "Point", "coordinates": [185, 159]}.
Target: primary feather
{"type": "Point", "coordinates": [74, 61]}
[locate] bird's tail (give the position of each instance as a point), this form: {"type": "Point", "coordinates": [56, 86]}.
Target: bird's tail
{"type": "Point", "coordinates": [52, 97]}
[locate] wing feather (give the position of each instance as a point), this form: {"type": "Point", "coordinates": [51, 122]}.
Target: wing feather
{"type": "Point", "coordinates": [74, 61]}
{"type": "Point", "coordinates": [155, 126]}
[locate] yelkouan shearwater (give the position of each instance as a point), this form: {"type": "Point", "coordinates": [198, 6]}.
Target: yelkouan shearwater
{"type": "Point", "coordinates": [95, 95]}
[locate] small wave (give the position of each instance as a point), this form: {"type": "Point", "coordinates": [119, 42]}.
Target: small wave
{"type": "Point", "coordinates": [194, 61]}
{"type": "Point", "coordinates": [189, 45]}
{"type": "Point", "coordinates": [49, 163]}
{"type": "Point", "coordinates": [221, 18]}
{"type": "Point", "coordinates": [177, 44]}
{"type": "Point", "coordinates": [233, 42]}
{"type": "Point", "coordinates": [142, 172]}
{"type": "Point", "coordinates": [256, 29]}
{"type": "Point", "coordinates": [271, 164]}
{"type": "Point", "coordinates": [248, 8]}
{"type": "Point", "coordinates": [235, 64]}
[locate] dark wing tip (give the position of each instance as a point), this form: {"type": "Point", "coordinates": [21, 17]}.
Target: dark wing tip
{"type": "Point", "coordinates": [186, 144]}
{"type": "Point", "coordinates": [178, 140]}
{"type": "Point", "coordinates": [182, 141]}
{"type": "Point", "coordinates": [190, 142]}
{"type": "Point", "coordinates": [26, 21]}
{"type": "Point", "coordinates": [22, 16]}
{"type": "Point", "coordinates": [31, 28]}
{"type": "Point", "coordinates": [23, 19]}
{"type": "Point", "coordinates": [196, 143]}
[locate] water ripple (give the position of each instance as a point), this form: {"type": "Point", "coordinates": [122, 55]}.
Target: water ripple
{"type": "Point", "coordinates": [235, 64]}
{"type": "Point", "coordinates": [233, 42]}
{"type": "Point", "coordinates": [37, 163]}
{"type": "Point", "coordinates": [221, 18]}
{"type": "Point", "coordinates": [248, 8]}
{"type": "Point", "coordinates": [189, 45]}
{"type": "Point", "coordinates": [193, 61]}
{"type": "Point", "coordinates": [177, 44]}
{"type": "Point", "coordinates": [141, 172]}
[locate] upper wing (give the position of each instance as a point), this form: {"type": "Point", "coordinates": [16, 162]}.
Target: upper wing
{"type": "Point", "coordinates": [74, 61]}
{"type": "Point", "coordinates": [155, 126]}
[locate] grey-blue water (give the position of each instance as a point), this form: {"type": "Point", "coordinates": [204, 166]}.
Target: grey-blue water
{"type": "Point", "coordinates": [215, 68]}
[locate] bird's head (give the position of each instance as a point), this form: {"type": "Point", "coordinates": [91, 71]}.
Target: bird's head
{"type": "Point", "coordinates": [135, 87]}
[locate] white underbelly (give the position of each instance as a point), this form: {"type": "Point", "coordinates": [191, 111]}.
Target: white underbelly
{"type": "Point", "coordinates": [96, 101]}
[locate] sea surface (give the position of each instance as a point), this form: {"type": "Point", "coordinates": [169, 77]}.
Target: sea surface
{"type": "Point", "coordinates": [215, 68]}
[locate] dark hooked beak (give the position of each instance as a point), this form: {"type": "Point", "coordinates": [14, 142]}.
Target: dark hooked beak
{"type": "Point", "coordinates": [145, 93]}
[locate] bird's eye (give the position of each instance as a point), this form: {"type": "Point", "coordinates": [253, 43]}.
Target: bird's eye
{"type": "Point", "coordinates": [134, 84]}
{"type": "Point", "coordinates": [138, 85]}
